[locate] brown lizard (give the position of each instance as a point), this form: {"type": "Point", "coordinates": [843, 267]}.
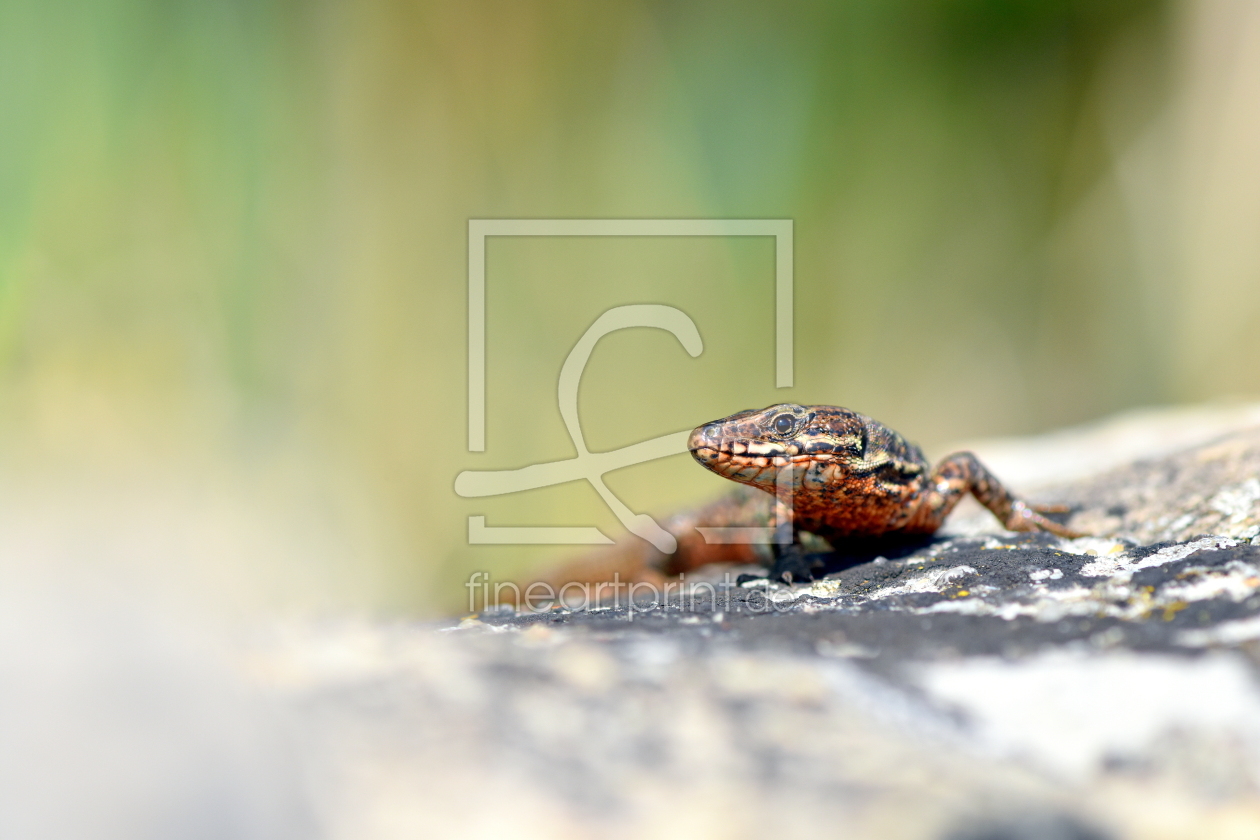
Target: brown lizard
{"type": "Point", "coordinates": [841, 475]}
{"type": "Point", "coordinates": [832, 473]}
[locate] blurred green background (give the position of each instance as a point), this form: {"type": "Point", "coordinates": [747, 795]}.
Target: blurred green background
{"type": "Point", "coordinates": [233, 252]}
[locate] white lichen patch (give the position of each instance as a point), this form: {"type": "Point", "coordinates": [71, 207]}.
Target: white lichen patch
{"type": "Point", "coordinates": [1180, 552]}
{"type": "Point", "coordinates": [934, 580]}
{"type": "Point", "coordinates": [978, 606]}
{"type": "Point", "coordinates": [1038, 575]}
{"type": "Point", "coordinates": [1114, 564]}
{"type": "Point", "coordinates": [1093, 546]}
{"type": "Point", "coordinates": [1045, 605]}
{"type": "Point", "coordinates": [1235, 580]}
{"type": "Point", "coordinates": [1109, 566]}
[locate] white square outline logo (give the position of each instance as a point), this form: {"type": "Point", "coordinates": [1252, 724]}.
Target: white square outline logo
{"type": "Point", "coordinates": [474, 483]}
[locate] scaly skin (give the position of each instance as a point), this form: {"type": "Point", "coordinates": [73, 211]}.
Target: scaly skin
{"type": "Point", "coordinates": [841, 474]}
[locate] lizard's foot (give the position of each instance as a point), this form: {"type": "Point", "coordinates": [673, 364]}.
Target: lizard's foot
{"type": "Point", "coordinates": [793, 564]}
{"type": "Point", "coordinates": [1025, 517]}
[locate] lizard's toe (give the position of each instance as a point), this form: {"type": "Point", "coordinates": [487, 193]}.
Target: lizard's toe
{"type": "Point", "coordinates": [1026, 517]}
{"type": "Point", "coordinates": [793, 564]}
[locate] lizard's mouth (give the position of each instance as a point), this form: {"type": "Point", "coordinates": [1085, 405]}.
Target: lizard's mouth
{"type": "Point", "coordinates": [743, 460]}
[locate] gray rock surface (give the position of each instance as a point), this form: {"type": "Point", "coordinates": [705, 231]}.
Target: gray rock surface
{"type": "Point", "coordinates": [985, 685]}
{"type": "Point", "coordinates": [981, 686]}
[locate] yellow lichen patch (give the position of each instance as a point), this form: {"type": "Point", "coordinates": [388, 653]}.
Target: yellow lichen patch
{"type": "Point", "coordinates": [1174, 608]}
{"type": "Point", "coordinates": [827, 588]}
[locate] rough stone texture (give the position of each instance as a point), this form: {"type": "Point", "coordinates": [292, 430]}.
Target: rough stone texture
{"type": "Point", "coordinates": [985, 686]}
{"type": "Point", "coordinates": [1210, 489]}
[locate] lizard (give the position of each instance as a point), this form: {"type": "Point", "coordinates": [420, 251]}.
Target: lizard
{"type": "Point", "coordinates": [833, 476]}
{"type": "Point", "coordinates": [841, 475]}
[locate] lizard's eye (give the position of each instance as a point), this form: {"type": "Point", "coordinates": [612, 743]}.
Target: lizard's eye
{"type": "Point", "coordinates": [784, 424]}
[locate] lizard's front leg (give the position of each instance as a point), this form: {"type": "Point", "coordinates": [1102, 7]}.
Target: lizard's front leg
{"type": "Point", "coordinates": [791, 561]}
{"type": "Point", "coordinates": [961, 473]}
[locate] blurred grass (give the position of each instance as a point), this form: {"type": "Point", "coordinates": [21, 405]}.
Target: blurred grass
{"type": "Point", "coordinates": [233, 239]}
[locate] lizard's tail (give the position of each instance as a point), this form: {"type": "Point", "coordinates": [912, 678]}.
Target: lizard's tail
{"type": "Point", "coordinates": [634, 568]}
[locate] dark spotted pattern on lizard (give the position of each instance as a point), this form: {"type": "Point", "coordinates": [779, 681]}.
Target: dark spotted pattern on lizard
{"type": "Point", "coordinates": [837, 473]}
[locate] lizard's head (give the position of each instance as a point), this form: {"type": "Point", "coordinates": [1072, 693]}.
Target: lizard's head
{"type": "Point", "coordinates": [752, 446]}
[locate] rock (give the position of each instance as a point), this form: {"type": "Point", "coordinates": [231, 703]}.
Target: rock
{"type": "Point", "coordinates": [984, 685]}
{"type": "Point", "coordinates": [1210, 489]}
